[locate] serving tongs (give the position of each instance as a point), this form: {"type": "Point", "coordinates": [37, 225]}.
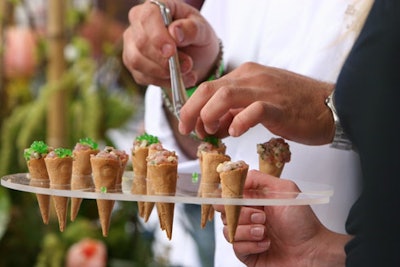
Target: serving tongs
{"type": "Point", "coordinates": [179, 95]}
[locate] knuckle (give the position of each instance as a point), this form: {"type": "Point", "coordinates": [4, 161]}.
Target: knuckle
{"type": "Point", "coordinates": [259, 107]}
{"type": "Point", "coordinates": [226, 93]}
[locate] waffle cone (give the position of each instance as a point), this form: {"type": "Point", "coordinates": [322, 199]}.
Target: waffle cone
{"type": "Point", "coordinates": [139, 188]}
{"type": "Point", "coordinates": [79, 182]}
{"type": "Point", "coordinates": [139, 164]}
{"type": "Point", "coordinates": [118, 183]}
{"type": "Point", "coordinates": [81, 176]}
{"type": "Point", "coordinates": [105, 207]}
{"type": "Point", "coordinates": [148, 206]}
{"type": "Point", "coordinates": [163, 178]}
{"type": "Point", "coordinates": [105, 173]}
{"type": "Point", "coordinates": [40, 178]}
{"type": "Point", "coordinates": [60, 172]}
{"type": "Point", "coordinates": [232, 187]}
{"type": "Point", "coordinates": [269, 168]}
{"type": "Point", "coordinates": [209, 181]}
{"type": "Point", "coordinates": [81, 164]}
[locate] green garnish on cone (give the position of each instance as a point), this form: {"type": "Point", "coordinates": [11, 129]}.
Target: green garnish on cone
{"type": "Point", "coordinates": [89, 142]}
{"type": "Point", "coordinates": [37, 148]}
{"type": "Point", "coordinates": [212, 140]}
{"type": "Point", "coordinates": [63, 152]}
{"type": "Point", "coordinates": [151, 139]}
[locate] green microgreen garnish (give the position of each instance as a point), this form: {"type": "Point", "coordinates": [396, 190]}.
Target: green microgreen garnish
{"type": "Point", "coordinates": [103, 189]}
{"type": "Point", "coordinates": [63, 152]}
{"type": "Point", "coordinates": [212, 140]}
{"type": "Point", "coordinates": [195, 177]}
{"type": "Point", "coordinates": [38, 147]}
{"type": "Point", "coordinates": [89, 142]}
{"type": "Point", "coordinates": [151, 139]}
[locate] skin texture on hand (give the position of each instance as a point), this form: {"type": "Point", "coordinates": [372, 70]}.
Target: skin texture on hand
{"type": "Point", "coordinates": [283, 235]}
{"type": "Point", "coordinates": [148, 44]}
{"type": "Point", "coordinates": [288, 104]}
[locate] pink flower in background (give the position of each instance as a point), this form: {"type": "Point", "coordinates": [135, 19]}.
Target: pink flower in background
{"type": "Point", "coordinates": [20, 58]}
{"type": "Point", "coordinates": [87, 253]}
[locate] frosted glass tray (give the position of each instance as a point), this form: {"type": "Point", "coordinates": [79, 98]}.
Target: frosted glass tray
{"type": "Point", "coordinates": [186, 192]}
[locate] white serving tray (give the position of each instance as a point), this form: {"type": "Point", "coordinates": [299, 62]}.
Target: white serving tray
{"type": "Point", "coordinates": [186, 192]}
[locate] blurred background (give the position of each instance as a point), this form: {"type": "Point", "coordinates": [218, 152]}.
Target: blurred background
{"type": "Point", "coordinates": [61, 79]}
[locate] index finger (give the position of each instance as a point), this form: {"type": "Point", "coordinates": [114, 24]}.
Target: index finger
{"type": "Point", "coordinates": [190, 112]}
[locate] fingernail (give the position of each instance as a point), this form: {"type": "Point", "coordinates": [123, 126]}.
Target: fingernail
{"type": "Point", "coordinates": [190, 80]}
{"type": "Point", "coordinates": [181, 129]}
{"type": "Point", "coordinates": [258, 217]}
{"type": "Point", "coordinates": [166, 50]}
{"type": "Point", "coordinates": [232, 132]}
{"type": "Point", "coordinates": [179, 34]}
{"type": "Point", "coordinates": [211, 129]}
{"type": "Point", "coordinates": [257, 231]}
{"type": "Point", "coordinates": [264, 244]}
{"type": "Point", "coordinates": [184, 65]}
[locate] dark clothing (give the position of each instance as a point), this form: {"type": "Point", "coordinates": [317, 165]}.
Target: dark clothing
{"type": "Point", "coordinates": [367, 98]}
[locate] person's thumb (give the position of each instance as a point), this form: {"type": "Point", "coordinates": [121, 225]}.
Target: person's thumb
{"type": "Point", "coordinates": [257, 180]}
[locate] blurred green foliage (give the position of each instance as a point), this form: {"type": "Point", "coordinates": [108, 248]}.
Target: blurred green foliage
{"type": "Point", "coordinates": [100, 93]}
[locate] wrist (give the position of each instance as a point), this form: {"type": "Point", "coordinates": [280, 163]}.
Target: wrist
{"type": "Point", "coordinates": [330, 251]}
{"type": "Point", "coordinates": [340, 139]}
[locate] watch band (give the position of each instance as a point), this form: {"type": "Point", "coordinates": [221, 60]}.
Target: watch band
{"type": "Point", "coordinates": [340, 140]}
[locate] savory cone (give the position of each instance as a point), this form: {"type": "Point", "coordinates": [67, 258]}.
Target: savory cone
{"type": "Point", "coordinates": [272, 156]}
{"type": "Point", "coordinates": [233, 176]}
{"type": "Point", "coordinates": [139, 165]}
{"type": "Point", "coordinates": [209, 181]}
{"type": "Point", "coordinates": [162, 174]}
{"type": "Point", "coordinates": [139, 188]}
{"type": "Point", "coordinates": [139, 162]}
{"type": "Point", "coordinates": [105, 168]}
{"type": "Point", "coordinates": [34, 156]}
{"type": "Point", "coordinates": [81, 174]}
{"type": "Point", "coordinates": [148, 206]}
{"type": "Point", "coordinates": [59, 168]}
{"type": "Point", "coordinates": [269, 168]}
{"type": "Point", "coordinates": [40, 178]}
{"type": "Point", "coordinates": [210, 144]}
{"type": "Point", "coordinates": [124, 161]}
{"type": "Point", "coordinates": [141, 147]}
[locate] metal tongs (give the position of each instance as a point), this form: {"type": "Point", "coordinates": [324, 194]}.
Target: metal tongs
{"type": "Point", "coordinates": [179, 95]}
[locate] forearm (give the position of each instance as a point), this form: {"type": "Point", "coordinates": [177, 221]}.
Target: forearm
{"type": "Point", "coordinates": [325, 120]}
{"type": "Point", "coordinates": [304, 117]}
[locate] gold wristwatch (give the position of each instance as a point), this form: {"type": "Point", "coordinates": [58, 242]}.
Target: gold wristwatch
{"type": "Point", "coordinates": [340, 140]}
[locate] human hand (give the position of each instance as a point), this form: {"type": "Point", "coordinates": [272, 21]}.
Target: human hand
{"type": "Point", "coordinates": [148, 44]}
{"type": "Point", "coordinates": [288, 104]}
{"type": "Point", "coordinates": [283, 235]}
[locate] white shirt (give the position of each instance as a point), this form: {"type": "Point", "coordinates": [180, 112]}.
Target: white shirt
{"type": "Point", "coordinates": [310, 37]}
